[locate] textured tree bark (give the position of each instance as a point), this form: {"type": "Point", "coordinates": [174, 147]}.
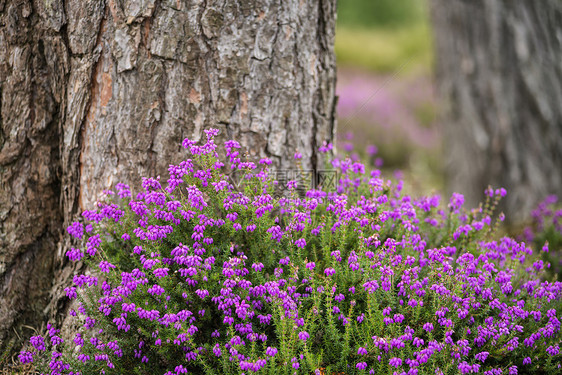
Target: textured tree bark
{"type": "Point", "coordinates": [499, 71]}
{"type": "Point", "coordinates": [96, 92]}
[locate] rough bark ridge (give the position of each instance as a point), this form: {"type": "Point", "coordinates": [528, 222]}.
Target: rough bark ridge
{"type": "Point", "coordinates": [101, 91]}
{"type": "Point", "coordinates": [498, 68]}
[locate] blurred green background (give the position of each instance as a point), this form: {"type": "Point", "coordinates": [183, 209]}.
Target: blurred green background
{"type": "Point", "coordinates": [386, 91]}
{"type": "Point", "coordinates": [379, 13]}
{"type": "Point", "coordinates": [381, 35]}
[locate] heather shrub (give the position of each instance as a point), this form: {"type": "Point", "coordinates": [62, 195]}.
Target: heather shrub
{"type": "Point", "coordinates": [204, 275]}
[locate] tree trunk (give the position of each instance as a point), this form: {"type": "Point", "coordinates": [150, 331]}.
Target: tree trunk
{"type": "Point", "coordinates": [96, 92]}
{"type": "Point", "coordinates": [499, 71]}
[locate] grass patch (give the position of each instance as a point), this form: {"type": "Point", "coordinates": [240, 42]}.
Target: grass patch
{"type": "Point", "coordinates": [385, 50]}
{"type": "Point", "coordinates": [380, 13]}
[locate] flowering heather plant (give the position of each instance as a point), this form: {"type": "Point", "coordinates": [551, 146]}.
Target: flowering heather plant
{"type": "Point", "coordinates": [196, 276]}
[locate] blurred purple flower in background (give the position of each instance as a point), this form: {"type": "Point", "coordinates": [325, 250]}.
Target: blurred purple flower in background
{"type": "Point", "coordinates": [401, 106]}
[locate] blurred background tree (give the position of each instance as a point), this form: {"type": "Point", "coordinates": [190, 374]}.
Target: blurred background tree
{"type": "Point", "coordinates": [498, 65]}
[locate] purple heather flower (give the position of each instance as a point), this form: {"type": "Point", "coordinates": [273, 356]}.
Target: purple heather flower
{"type": "Point", "coordinates": [76, 229]}
{"type": "Point", "coordinates": [457, 200]}
{"type": "Point", "coordinates": [501, 192]}
{"type": "Point", "coordinates": [428, 327]}
{"type": "Point", "coordinates": [361, 365]}
{"type": "Point", "coordinates": [481, 356]}
{"type": "Point", "coordinates": [216, 350]}
{"type": "Point", "coordinates": [271, 351]}
{"type": "Point", "coordinates": [257, 266]}
{"type": "Point", "coordinates": [71, 292]}
{"type": "Point", "coordinates": [56, 340]}
{"type": "Point", "coordinates": [160, 272]}
{"type": "Point", "coordinates": [395, 361]}
{"type": "Point", "coordinates": [326, 147]}
{"type": "Point", "coordinates": [303, 335]}
{"type": "Point", "coordinates": [25, 357]}
{"type": "Point", "coordinates": [329, 271]}
{"type": "Point", "coordinates": [292, 184]}
{"type": "Point", "coordinates": [156, 290]}
{"type": "Point", "coordinates": [74, 254]}
{"type": "Point", "coordinates": [553, 350]}
{"type": "Point", "coordinates": [418, 342]}
{"type": "Point", "coordinates": [38, 342]}
{"type": "Point", "coordinates": [300, 243]}
{"type": "Point", "coordinates": [464, 367]}
{"type": "Point", "coordinates": [362, 351]}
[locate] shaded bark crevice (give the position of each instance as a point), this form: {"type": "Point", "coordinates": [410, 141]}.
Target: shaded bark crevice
{"type": "Point", "coordinates": [29, 164]}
